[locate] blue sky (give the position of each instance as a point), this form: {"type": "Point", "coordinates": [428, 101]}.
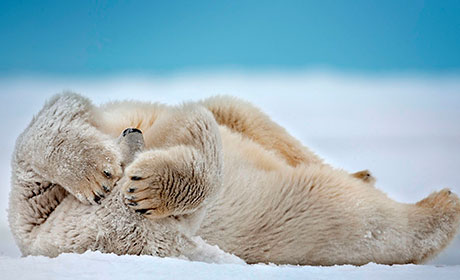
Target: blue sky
{"type": "Point", "coordinates": [104, 37]}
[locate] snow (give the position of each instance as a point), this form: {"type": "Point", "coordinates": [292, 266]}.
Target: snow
{"type": "Point", "coordinates": [404, 128]}
{"type": "Point", "coordinates": [95, 265]}
{"type": "Point", "coordinates": [211, 254]}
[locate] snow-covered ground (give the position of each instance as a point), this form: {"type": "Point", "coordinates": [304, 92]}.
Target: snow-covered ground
{"type": "Point", "coordinates": [94, 265]}
{"type": "Point", "coordinates": [404, 128]}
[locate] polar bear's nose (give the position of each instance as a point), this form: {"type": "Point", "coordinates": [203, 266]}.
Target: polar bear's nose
{"type": "Point", "coordinates": [130, 130]}
{"type": "Point", "coordinates": [131, 141]}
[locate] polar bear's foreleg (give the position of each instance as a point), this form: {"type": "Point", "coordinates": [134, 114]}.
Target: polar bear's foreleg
{"type": "Point", "coordinates": [64, 148]}
{"type": "Point", "coordinates": [58, 154]}
{"type": "Point", "coordinates": [183, 168]}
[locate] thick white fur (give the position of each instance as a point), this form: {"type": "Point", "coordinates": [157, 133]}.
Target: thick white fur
{"type": "Point", "coordinates": [218, 169]}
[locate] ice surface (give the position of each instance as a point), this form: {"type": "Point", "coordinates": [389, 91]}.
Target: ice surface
{"type": "Point", "coordinates": [404, 128]}
{"type": "Point", "coordinates": [95, 265]}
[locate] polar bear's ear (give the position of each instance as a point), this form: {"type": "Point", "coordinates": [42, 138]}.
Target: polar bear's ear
{"type": "Point", "coordinates": [131, 141]}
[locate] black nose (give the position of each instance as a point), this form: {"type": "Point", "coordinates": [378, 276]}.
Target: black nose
{"type": "Point", "coordinates": [131, 130]}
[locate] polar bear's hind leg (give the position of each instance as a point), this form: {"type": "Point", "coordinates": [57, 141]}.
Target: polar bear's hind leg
{"type": "Point", "coordinates": [246, 119]}
{"type": "Point", "coordinates": [437, 218]}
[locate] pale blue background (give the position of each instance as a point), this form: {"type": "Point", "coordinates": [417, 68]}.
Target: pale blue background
{"type": "Point", "coordinates": [106, 37]}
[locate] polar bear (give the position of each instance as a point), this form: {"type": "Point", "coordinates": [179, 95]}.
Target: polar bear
{"type": "Point", "coordinates": [146, 178]}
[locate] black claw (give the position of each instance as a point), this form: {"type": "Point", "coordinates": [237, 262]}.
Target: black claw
{"type": "Point", "coordinates": [106, 189]}
{"type": "Point", "coordinates": [97, 199]}
{"type": "Point", "coordinates": [131, 130]}
{"type": "Point", "coordinates": [132, 204]}
{"type": "Point", "coordinates": [141, 211]}
{"type": "Point", "coordinates": [131, 190]}
{"type": "Point", "coordinates": [107, 174]}
{"type": "Point", "coordinates": [101, 195]}
{"type": "Point", "coordinates": [136, 178]}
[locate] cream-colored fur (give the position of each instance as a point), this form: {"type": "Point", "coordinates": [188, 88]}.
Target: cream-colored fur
{"type": "Point", "coordinates": [218, 169]}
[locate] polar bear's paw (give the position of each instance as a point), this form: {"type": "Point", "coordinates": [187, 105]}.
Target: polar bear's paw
{"type": "Point", "coordinates": [440, 211]}
{"type": "Point", "coordinates": [144, 199]}
{"type": "Point", "coordinates": [164, 182]}
{"type": "Point", "coordinates": [444, 200]}
{"type": "Point", "coordinates": [97, 173]}
{"type": "Point", "coordinates": [145, 185]}
{"type": "Point", "coordinates": [435, 221]}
